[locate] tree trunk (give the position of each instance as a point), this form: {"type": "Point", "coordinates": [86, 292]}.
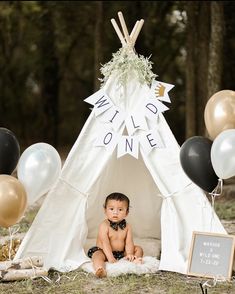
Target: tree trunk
{"type": "Point", "coordinates": [49, 78]}
{"type": "Point", "coordinates": [203, 25]}
{"type": "Point", "coordinates": [191, 9]}
{"type": "Point", "coordinates": [216, 48]}
{"type": "Point", "coordinates": [21, 274]}
{"type": "Point", "coordinates": [11, 79]}
{"type": "Point", "coordinates": [98, 55]}
{"type": "Point", "coordinates": [25, 263]}
{"type": "Point", "coordinates": [198, 32]}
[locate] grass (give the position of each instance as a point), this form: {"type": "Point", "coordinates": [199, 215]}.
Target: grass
{"type": "Point", "coordinates": [24, 224]}
{"type": "Point", "coordinates": [80, 282]}
{"type": "Point", "coordinates": [225, 209]}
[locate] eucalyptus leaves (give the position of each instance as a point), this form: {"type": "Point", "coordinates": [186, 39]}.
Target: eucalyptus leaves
{"type": "Point", "coordinates": [123, 63]}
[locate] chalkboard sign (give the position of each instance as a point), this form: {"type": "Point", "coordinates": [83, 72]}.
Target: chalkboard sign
{"type": "Point", "coordinates": [211, 255]}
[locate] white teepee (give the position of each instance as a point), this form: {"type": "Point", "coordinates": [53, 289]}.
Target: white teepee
{"type": "Point", "coordinates": [166, 207]}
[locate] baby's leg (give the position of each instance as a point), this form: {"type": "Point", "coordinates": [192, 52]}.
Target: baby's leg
{"type": "Point", "coordinates": [98, 259]}
{"type": "Point", "coordinates": [138, 252]}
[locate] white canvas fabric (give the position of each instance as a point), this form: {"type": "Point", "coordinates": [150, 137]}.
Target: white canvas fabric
{"type": "Point", "coordinates": [165, 205]}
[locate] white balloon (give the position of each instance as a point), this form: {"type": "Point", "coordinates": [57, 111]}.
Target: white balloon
{"type": "Point", "coordinates": [38, 169]}
{"type": "Point", "coordinates": [223, 154]}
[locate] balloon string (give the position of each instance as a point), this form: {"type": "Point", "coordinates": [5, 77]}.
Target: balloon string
{"type": "Point", "coordinates": [12, 232]}
{"type": "Point", "coordinates": [10, 243]}
{"type": "Point", "coordinates": [218, 189]}
{"type": "Point", "coordinates": [211, 283]}
{"type": "Point", "coordinates": [215, 193]}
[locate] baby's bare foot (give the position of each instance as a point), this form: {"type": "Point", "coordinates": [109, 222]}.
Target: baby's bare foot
{"type": "Point", "coordinates": [100, 273]}
{"type": "Point", "coordinates": [138, 260]}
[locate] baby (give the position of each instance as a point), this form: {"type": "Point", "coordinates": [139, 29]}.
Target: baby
{"type": "Point", "coordinates": [114, 240]}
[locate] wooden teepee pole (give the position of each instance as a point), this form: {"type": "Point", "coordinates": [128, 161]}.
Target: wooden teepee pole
{"type": "Point", "coordinates": [134, 29]}
{"type": "Point", "coordinates": [124, 27]}
{"type": "Point", "coordinates": [137, 31]}
{"type": "Point", "coordinates": [127, 39]}
{"type": "Point", "coordinates": [117, 30]}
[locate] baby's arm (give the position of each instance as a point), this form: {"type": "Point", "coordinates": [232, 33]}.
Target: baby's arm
{"type": "Point", "coordinates": [129, 248]}
{"type": "Point", "coordinates": [104, 239]}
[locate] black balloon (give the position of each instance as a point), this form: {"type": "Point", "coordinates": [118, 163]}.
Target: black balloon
{"type": "Point", "coordinates": [9, 151]}
{"type": "Point", "coordinates": [195, 159]}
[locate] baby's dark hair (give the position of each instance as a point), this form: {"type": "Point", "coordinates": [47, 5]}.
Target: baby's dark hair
{"type": "Point", "coordinates": [119, 197]}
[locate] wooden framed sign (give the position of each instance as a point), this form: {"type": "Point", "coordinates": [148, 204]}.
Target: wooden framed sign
{"type": "Point", "coordinates": [211, 255]}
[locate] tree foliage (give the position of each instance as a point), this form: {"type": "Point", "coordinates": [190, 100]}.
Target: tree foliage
{"type": "Point", "coordinates": [50, 53]}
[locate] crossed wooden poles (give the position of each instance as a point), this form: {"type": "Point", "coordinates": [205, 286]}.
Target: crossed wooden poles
{"type": "Point", "coordinates": [125, 38]}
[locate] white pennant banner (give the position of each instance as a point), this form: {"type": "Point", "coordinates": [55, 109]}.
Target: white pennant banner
{"type": "Point", "coordinates": [128, 145]}
{"type": "Point", "coordinates": [160, 90]}
{"type": "Point", "coordinates": [100, 101]}
{"type": "Point", "coordinates": [115, 116]}
{"type": "Point", "coordinates": [94, 97]}
{"type": "Point", "coordinates": [150, 140]}
{"type": "Point", "coordinates": [108, 139]}
{"type": "Point", "coordinates": [135, 122]}
{"type": "Point", "coordinates": [153, 108]}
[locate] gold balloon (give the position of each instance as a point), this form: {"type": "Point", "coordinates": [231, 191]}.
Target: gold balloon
{"type": "Point", "coordinates": [219, 113]}
{"type": "Point", "coordinates": [13, 200]}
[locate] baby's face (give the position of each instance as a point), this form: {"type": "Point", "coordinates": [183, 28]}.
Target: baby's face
{"type": "Point", "coordinates": [116, 210]}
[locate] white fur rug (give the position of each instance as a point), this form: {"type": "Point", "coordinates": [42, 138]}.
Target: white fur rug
{"type": "Point", "coordinates": [150, 265]}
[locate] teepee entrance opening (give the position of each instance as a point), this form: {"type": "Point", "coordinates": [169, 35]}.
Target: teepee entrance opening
{"type": "Point", "coordinates": [130, 177]}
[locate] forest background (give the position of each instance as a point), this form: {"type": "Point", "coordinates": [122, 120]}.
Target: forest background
{"type": "Point", "coordinates": [51, 53]}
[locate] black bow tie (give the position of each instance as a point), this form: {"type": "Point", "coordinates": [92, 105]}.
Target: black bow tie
{"type": "Point", "coordinates": [121, 225]}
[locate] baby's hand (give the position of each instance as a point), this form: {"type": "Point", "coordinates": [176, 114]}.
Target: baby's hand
{"type": "Point", "coordinates": [130, 257]}
{"type": "Point", "coordinates": [112, 260]}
